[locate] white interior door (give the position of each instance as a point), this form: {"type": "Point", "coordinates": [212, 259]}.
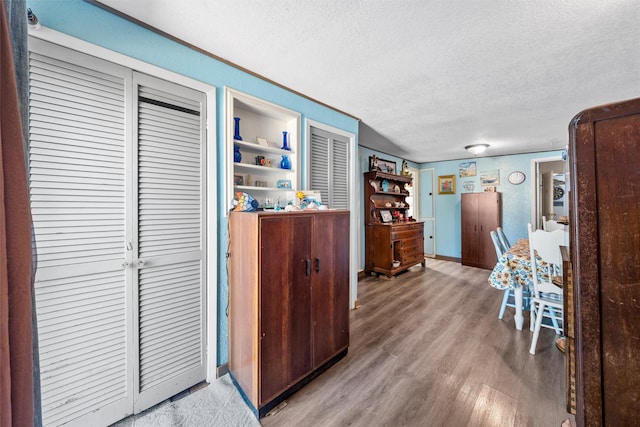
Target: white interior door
{"type": "Point", "coordinates": [170, 267]}
{"type": "Point", "coordinates": [427, 211]}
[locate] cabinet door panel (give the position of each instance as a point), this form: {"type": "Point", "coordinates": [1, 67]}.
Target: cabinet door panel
{"type": "Point", "coordinates": [469, 228]}
{"type": "Point", "coordinates": [285, 323]}
{"type": "Point", "coordinates": [330, 289]}
{"type": "Point", "coordinates": [489, 218]}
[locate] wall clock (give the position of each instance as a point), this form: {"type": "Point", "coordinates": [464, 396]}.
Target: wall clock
{"type": "Point", "coordinates": [516, 177]}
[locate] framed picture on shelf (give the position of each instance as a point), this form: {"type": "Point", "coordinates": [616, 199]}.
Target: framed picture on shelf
{"type": "Point", "coordinates": [386, 166]}
{"type": "Point", "coordinates": [447, 184]}
{"type": "Point", "coordinates": [386, 216]}
{"type": "Point", "coordinates": [284, 183]}
{"type": "Point", "coordinates": [238, 179]}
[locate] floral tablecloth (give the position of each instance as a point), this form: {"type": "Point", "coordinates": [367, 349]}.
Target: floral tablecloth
{"type": "Point", "coordinates": [513, 268]}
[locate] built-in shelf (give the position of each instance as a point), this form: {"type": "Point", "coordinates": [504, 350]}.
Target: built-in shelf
{"type": "Point", "coordinates": [261, 128]}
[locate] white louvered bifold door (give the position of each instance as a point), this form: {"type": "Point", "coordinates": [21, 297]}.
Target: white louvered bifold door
{"type": "Point", "coordinates": [116, 163]}
{"type": "Point", "coordinates": [329, 167]}
{"type": "Point", "coordinates": [170, 230]}
{"type": "Point", "coordinates": [77, 180]}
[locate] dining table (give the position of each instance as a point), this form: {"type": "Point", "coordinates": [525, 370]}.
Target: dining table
{"type": "Point", "coordinates": [513, 270]}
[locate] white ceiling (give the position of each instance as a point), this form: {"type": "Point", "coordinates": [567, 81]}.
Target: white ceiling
{"type": "Point", "coordinates": [427, 77]}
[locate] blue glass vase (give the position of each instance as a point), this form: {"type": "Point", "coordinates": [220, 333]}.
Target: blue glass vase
{"type": "Point", "coordinates": [285, 163]}
{"type": "Point", "coordinates": [237, 155]}
{"type": "Point", "coordinates": [236, 127]}
{"type": "Point", "coordinates": [285, 142]}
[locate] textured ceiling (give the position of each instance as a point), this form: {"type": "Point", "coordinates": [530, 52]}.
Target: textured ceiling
{"type": "Point", "coordinates": [425, 77]}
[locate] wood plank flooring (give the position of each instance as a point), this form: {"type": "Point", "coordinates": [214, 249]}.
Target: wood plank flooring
{"type": "Point", "coordinates": [427, 349]}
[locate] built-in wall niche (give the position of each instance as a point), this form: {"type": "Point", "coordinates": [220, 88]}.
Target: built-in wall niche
{"type": "Point", "coordinates": [259, 170]}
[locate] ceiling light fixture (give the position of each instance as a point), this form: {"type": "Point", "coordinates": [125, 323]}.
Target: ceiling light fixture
{"type": "Point", "coordinates": [476, 149]}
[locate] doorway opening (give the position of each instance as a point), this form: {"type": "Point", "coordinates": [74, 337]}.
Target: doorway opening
{"type": "Point", "coordinates": [549, 197]}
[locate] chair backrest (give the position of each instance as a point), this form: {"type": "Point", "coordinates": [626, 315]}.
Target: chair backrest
{"type": "Point", "coordinates": [497, 244]}
{"type": "Point", "coordinates": [503, 238]}
{"type": "Point", "coordinates": [552, 225]}
{"type": "Point", "coordinates": [545, 246]}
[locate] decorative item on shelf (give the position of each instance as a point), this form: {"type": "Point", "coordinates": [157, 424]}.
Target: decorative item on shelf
{"type": "Point", "coordinates": [396, 188]}
{"type": "Point", "coordinates": [385, 216]}
{"type": "Point", "coordinates": [373, 163]}
{"type": "Point", "coordinates": [284, 183]}
{"type": "Point", "coordinates": [385, 185]}
{"type": "Point", "coordinates": [261, 160]}
{"type": "Point", "coordinates": [387, 204]}
{"type": "Point", "coordinates": [236, 127]}
{"type": "Point", "coordinates": [285, 163]}
{"type": "Point", "coordinates": [285, 142]}
{"type": "Point", "coordinates": [238, 179]}
{"type": "Point", "coordinates": [405, 169]}
{"type": "Point", "coordinates": [237, 155]}
{"type": "Point", "coordinates": [244, 202]}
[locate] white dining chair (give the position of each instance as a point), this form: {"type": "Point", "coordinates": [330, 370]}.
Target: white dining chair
{"type": "Point", "coordinates": [503, 238]}
{"type": "Point", "coordinates": [551, 224]}
{"type": "Point", "coordinates": [546, 297]}
{"type": "Point", "coordinates": [508, 298]}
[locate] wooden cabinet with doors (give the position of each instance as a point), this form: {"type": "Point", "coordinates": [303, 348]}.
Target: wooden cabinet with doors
{"type": "Point", "coordinates": [481, 213]}
{"type": "Point", "coordinates": [288, 300]}
{"type": "Point", "coordinates": [393, 243]}
{"type": "Point", "coordinates": [604, 219]}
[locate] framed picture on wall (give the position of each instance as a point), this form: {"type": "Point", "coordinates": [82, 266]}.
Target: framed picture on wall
{"type": "Point", "coordinates": [377, 164]}
{"type": "Point", "coordinates": [447, 184]}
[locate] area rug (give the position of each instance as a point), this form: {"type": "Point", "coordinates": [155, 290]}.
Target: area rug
{"type": "Point", "coordinates": [217, 404]}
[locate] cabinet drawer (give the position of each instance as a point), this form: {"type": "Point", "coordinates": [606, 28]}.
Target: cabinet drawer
{"type": "Point", "coordinates": [405, 233]}
{"type": "Point", "coordinates": [409, 252]}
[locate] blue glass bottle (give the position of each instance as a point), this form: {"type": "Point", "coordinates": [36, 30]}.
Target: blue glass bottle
{"type": "Point", "coordinates": [236, 131]}
{"type": "Point", "coordinates": [237, 155]}
{"type": "Point", "coordinates": [285, 142]}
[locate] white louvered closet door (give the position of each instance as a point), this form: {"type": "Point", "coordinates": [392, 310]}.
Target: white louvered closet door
{"type": "Point", "coordinates": [329, 167]}
{"type": "Point", "coordinates": [77, 183]}
{"type": "Point", "coordinates": [170, 230]}
{"type": "Point", "coordinates": [116, 181]}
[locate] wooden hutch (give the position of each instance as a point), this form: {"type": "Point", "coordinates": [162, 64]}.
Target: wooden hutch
{"type": "Point", "coordinates": [393, 241]}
